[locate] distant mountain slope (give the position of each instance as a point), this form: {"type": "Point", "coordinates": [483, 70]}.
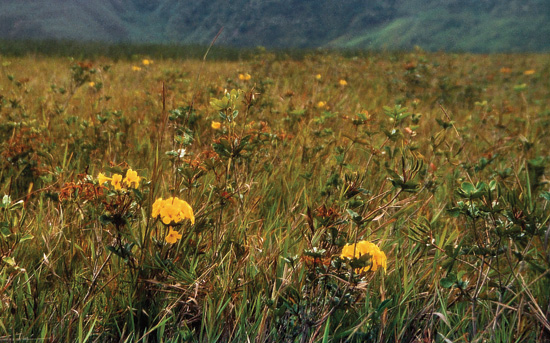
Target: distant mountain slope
{"type": "Point", "coordinates": [480, 25]}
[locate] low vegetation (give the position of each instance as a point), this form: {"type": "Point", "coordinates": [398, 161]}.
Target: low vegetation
{"type": "Point", "coordinates": [386, 197]}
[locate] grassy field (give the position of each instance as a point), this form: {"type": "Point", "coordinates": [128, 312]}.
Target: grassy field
{"type": "Point", "coordinates": [278, 166]}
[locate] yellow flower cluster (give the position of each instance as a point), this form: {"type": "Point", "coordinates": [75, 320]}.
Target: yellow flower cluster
{"type": "Point", "coordinates": [146, 62]}
{"type": "Point", "coordinates": [378, 257]}
{"type": "Point", "coordinates": [131, 180]}
{"type": "Point", "coordinates": [172, 211]}
{"type": "Point", "coordinates": [245, 77]}
{"type": "Point", "coordinates": [216, 125]}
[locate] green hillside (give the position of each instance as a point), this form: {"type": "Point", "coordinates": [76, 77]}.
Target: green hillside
{"type": "Point", "coordinates": [478, 26]}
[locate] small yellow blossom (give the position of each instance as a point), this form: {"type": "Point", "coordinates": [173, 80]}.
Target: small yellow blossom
{"type": "Point", "coordinates": [136, 68]}
{"type": "Point", "coordinates": [146, 62]}
{"type": "Point", "coordinates": [318, 77]}
{"type": "Point", "coordinates": [321, 104]}
{"type": "Point", "coordinates": [101, 178]}
{"type": "Point", "coordinates": [245, 77]}
{"type": "Point", "coordinates": [116, 181]}
{"type": "Point", "coordinates": [132, 179]}
{"type": "Point", "coordinates": [173, 236]}
{"type": "Point", "coordinates": [343, 82]}
{"type": "Point", "coordinates": [378, 257]}
{"type": "Point", "coordinates": [529, 72]}
{"type": "Point", "coordinates": [91, 84]}
{"type": "Point", "coordinates": [216, 125]}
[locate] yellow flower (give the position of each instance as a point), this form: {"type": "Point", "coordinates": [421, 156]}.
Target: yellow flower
{"type": "Point", "coordinates": [343, 82]}
{"type": "Point", "coordinates": [173, 236]}
{"type": "Point", "coordinates": [378, 257]}
{"type": "Point", "coordinates": [116, 181]}
{"type": "Point", "coordinates": [132, 178]}
{"type": "Point", "coordinates": [136, 68]}
{"type": "Point", "coordinates": [245, 77]}
{"type": "Point", "coordinates": [101, 178]}
{"type": "Point", "coordinates": [146, 62]}
{"type": "Point", "coordinates": [91, 84]}
{"type": "Point", "coordinates": [321, 104]}
{"type": "Point", "coordinates": [318, 76]}
{"type": "Point", "coordinates": [216, 125]}
{"type": "Point", "coordinates": [529, 72]}
{"type": "Point", "coordinates": [157, 205]}
{"type": "Point", "coordinates": [187, 211]}
{"type": "Point", "coordinates": [172, 210]}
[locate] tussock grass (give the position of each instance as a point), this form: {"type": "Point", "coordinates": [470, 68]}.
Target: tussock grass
{"type": "Point", "coordinates": [438, 159]}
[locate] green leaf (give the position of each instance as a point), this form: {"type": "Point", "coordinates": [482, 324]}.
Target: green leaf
{"type": "Point", "coordinates": [119, 252]}
{"type": "Point", "coordinates": [5, 229]}
{"type": "Point", "coordinates": [545, 195]}
{"type": "Point", "coordinates": [297, 113]}
{"type": "Point", "coordinates": [220, 104]}
{"type": "Point", "coordinates": [327, 331]}
{"type": "Point", "coordinates": [468, 188]}
{"type": "Point", "coordinates": [6, 200]}
{"type": "Point", "coordinates": [410, 186]}
{"type": "Point", "coordinates": [448, 281]}
{"type": "Point", "coordinates": [393, 174]}
{"type": "Point", "coordinates": [356, 217]}
{"type": "Point", "coordinates": [315, 252]}
{"type": "Point", "coordinates": [444, 124]}
{"type": "Point", "coordinates": [520, 87]}
{"type": "Point", "coordinates": [9, 260]}
{"type": "Point", "coordinates": [450, 251]}
{"type": "Point", "coordinates": [383, 305]}
{"type": "Point", "coordinates": [106, 219]}
{"type": "Point", "coordinates": [26, 237]}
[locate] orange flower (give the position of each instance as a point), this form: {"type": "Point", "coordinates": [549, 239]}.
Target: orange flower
{"type": "Point", "coordinates": [529, 72]}
{"type": "Point", "coordinates": [216, 125]}
{"type": "Point", "coordinates": [343, 82]}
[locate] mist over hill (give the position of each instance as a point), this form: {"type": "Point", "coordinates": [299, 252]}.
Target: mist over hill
{"type": "Point", "coordinates": [453, 25]}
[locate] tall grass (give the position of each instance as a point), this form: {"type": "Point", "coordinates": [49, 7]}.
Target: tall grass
{"type": "Point", "coordinates": [438, 159]}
